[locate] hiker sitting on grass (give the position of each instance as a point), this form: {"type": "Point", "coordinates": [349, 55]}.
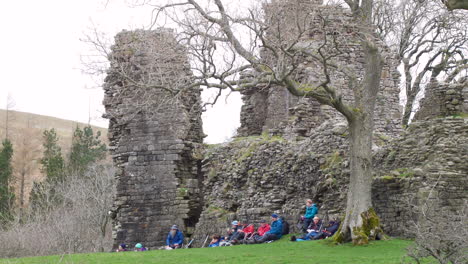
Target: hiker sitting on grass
{"type": "Point", "coordinates": [243, 232]}
{"type": "Point", "coordinates": [140, 247]}
{"type": "Point", "coordinates": [233, 234]}
{"type": "Point", "coordinates": [328, 231]}
{"type": "Point", "coordinates": [275, 232]}
{"type": "Point", "coordinates": [122, 247]}
{"type": "Point", "coordinates": [215, 240]}
{"type": "Point", "coordinates": [175, 238]}
{"type": "Point", "coordinates": [233, 231]}
{"type": "Point", "coordinates": [311, 211]}
{"type": "Point", "coordinates": [246, 232]}
{"type": "Point", "coordinates": [262, 229]}
{"type": "Point", "coordinates": [313, 229]}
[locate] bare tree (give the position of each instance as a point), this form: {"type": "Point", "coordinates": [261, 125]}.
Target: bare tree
{"type": "Point", "coordinates": [78, 223]}
{"type": "Point", "coordinates": [10, 104]}
{"type": "Point", "coordinates": [432, 46]}
{"type": "Point", "coordinates": [440, 231]}
{"type": "Point", "coordinates": [24, 163]}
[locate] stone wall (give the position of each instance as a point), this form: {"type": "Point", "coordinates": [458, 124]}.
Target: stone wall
{"type": "Point", "coordinates": [444, 99]}
{"type": "Point", "coordinates": [277, 111]}
{"type": "Point", "coordinates": [428, 161]}
{"type": "Point", "coordinates": [154, 138]}
{"type": "Point", "coordinates": [252, 177]}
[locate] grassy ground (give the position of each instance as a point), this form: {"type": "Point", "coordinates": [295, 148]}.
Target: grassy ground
{"type": "Point", "coordinates": [283, 251]}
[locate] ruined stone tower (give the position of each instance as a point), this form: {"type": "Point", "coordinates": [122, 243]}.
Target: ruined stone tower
{"type": "Point", "coordinates": [276, 111]}
{"type": "Point", "coordinates": [154, 136]}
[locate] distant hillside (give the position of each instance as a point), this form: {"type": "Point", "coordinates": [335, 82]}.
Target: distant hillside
{"type": "Point", "coordinates": [25, 131]}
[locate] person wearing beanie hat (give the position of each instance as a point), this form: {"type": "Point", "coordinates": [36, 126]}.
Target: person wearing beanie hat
{"type": "Point", "coordinates": [275, 232]}
{"type": "Point", "coordinates": [140, 247]}
{"type": "Point", "coordinates": [233, 231]}
{"type": "Point", "coordinates": [263, 228]}
{"type": "Point", "coordinates": [175, 238]}
{"type": "Point", "coordinates": [122, 247]}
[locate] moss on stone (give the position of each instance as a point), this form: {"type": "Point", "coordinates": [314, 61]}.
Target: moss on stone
{"type": "Point", "coordinates": [405, 172]}
{"type": "Point", "coordinates": [212, 174]}
{"type": "Point", "coordinates": [390, 157]}
{"type": "Point", "coordinates": [182, 192]}
{"type": "Point", "coordinates": [246, 152]}
{"type": "Point", "coordinates": [338, 237]}
{"type": "Point", "coordinates": [387, 177]}
{"type": "Point", "coordinates": [370, 229]}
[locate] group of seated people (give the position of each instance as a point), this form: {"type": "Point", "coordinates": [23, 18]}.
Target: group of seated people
{"type": "Point", "coordinates": [312, 228]}
{"type": "Point", "coordinates": [246, 234]}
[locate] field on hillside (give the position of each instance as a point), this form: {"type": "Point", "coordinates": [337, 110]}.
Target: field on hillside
{"type": "Point", "coordinates": [25, 129]}
{"type": "Point", "coordinates": [283, 251]}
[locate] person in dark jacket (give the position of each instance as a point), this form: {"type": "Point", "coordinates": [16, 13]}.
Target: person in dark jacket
{"type": "Point", "coordinates": [312, 230]}
{"type": "Point", "coordinates": [175, 238]}
{"type": "Point", "coordinates": [311, 211]}
{"type": "Point", "coordinates": [233, 232]}
{"type": "Point", "coordinates": [328, 231]}
{"type": "Point", "coordinates": [275, 232]}
{"type": "Point", "coordinates": [215, 240]}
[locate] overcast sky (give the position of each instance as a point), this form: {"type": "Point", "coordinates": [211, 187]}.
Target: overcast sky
{"type": "Point", "coordinates": [41, 64]}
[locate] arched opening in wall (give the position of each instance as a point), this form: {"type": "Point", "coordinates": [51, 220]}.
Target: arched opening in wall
{"type": "Point", "coordinates": [221, 120]}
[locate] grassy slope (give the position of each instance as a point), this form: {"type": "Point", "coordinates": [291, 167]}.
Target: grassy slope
{"type": "Point", "coordinates": [35, 125]}
{"type": "Point", "coordinates": [310, 252]}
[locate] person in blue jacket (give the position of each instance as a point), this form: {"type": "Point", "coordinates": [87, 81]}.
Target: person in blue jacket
{"type": "Point", "coordinates": [311, 211]}
{"type": "Point", "coordinates": [175, 238]}
{"type": "Point", "coordinates": [275, 233]}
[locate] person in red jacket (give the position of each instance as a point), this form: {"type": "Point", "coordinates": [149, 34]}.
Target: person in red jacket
{"type": "Point", "coordinates": [263, 228]}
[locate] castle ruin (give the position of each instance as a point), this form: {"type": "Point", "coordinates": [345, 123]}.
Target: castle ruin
{"type": "Point", "coordinates": [165, 176]}
{"type": "Point", "coordinates": [155, 136]}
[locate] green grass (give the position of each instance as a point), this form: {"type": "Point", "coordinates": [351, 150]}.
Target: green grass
{"type": "Point", "coordinates": [283, 251]}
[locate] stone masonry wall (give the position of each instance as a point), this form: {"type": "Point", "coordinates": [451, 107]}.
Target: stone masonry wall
{"type": "Point", "coordinates": [444, 100]}
{"type": "Point", "coordinates": [277, 111]}
{"type": "Point", "coordinates": [252, 177]}
{"type": "Point", "coordinates": [154, 138]}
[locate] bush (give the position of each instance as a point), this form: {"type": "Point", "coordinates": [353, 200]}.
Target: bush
{"type": "Point", "coordinates": [77, 222]}
{"type": "Point", "coordinates": [439, 232]}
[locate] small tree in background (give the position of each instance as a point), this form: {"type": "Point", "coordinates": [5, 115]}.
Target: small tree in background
{"type": "Point", "coordinates": [53, 166]}
{"type": "Point", "coordinates": [6, 175]}
{"type": "Point", "coordinates": [52, 162]}
{"type": "Point", "coordinates": [24, 164]}
{"type": "Point", "coordinates": [86, 149]}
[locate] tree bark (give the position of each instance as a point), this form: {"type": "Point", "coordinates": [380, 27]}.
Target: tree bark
{"type": "Point", "coordinates": [408, 108]}
{"type": "Point", "coordinates": [361, 224]}
{"type": "Point", "coordinates": [21, 212]}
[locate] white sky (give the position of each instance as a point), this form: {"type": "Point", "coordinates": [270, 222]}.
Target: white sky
{"type": "Point", "coordinates": [40, 64]}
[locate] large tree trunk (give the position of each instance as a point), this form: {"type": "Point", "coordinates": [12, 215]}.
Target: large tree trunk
{"type": "Point", "coordinates": [361, 224]}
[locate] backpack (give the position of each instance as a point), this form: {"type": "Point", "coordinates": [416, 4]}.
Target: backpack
{"type": "Point", "coordinates": [285, 230]}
